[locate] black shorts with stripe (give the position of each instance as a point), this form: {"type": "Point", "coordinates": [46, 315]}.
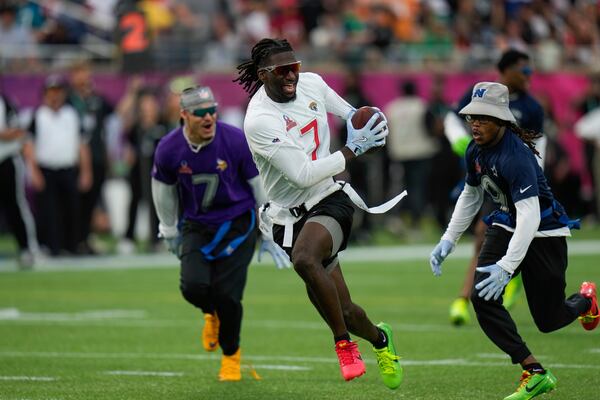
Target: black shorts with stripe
{"type": "Point", "coordinates": [337, 206]}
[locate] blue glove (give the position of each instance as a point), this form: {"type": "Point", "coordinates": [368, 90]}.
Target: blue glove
{"type": "Point", "coordinates": [439, 254]}
{"type": "Point", "coordinates": [367, 137]}
{"type": "Point", "coordinates": [493, 285]}
{"type": "Point", "coordinates": [279, 255]}
{"type": "Point", "coordinates": [174, 245]}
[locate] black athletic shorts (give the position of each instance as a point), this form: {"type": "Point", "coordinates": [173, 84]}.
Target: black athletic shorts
{"type": "Point", "coordinates": [337, 206]}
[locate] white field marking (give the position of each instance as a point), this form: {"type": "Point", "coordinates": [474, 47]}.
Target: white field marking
{"type": "Point", "coordinates": [460, 362]}
{"type": "Point", "coordinates": [92, 315]}
{"type": "Point", "coordinates": [144, 373]}
{"type": "Point", "coordinates": [260, 324]}
{"type": "Point", "coordinates": [28, 378]}
{"type": "Point", "coordinates": [356, 254]}
{"type": "Point", "coordinates": [318, 325]}
{"type": "Point", "coordinates": [9, 313]}
{"type": "Point", "coordinates": [594, 350]}
{"type": "Point", "coordinates": [496, 356]}
{"type": "Point", "coordinates": [500, 356]}
{"type": "Point", "coordinates": [278, 367]}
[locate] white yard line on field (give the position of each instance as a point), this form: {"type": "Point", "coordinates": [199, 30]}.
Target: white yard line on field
{"type": "Point", "coordinates": [121, 319]}
{"type": "Point", "coordinates": [144, 373]}
{"type": "Point", "coordinates": [28, 378]}
{"type": "Point", "coordinates": [595, 351]}
{"type": "Point", "coordinates": [279, 367]}
{"type": "Point", "coordinates": [418, 252]}
{"type": "Point", "coordinates": [458, 362]}
{"type": "Point", "coordinates": [92, 315]}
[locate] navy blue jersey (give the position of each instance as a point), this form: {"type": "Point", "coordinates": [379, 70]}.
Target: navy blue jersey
{"type": "Point", "coordinates": [527, 111]}
{"type": "Point", "coordinates": [509, 172]}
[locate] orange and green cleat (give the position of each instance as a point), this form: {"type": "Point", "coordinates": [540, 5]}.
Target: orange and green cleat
{"type": "Point", "coordinates": [532, 385]}
{"type": "Point", "coordinates": [589, 320]}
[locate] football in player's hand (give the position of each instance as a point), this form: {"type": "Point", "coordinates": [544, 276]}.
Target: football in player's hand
{"type": "Point", "coordinates": [360, 119]}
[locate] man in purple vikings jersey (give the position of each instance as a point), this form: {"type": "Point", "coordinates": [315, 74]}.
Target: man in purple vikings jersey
{"type": "Point", "coordinates": [526, 236]}
{"type": "Point", "coordinates": [205, 167]}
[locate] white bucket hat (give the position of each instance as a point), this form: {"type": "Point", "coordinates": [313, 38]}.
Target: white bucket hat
{"type": "Point", "coordinates": [489, 98]}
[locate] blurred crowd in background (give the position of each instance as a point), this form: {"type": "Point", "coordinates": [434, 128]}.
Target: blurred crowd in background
{"type": "Point", "coordinates": [184, 34]}
{"type": "Point", "coordinates": [110, 191]}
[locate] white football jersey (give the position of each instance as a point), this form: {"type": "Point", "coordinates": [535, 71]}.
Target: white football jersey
{"type": "Point", "coordinates": [290, 141]}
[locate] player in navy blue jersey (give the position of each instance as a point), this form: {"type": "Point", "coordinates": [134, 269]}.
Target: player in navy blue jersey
{"type": "Point", "coordinates": [525, 235]}
{"type": "Point", "coordinates": [515, 72]}
{"type": "Point", "coordinates": [205, 166]}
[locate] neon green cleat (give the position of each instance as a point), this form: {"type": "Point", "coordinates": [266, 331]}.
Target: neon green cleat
{"type": "Point", "coordinates": [387, 360]}
{"type": "Point", "coordinates": [459, 312]}
{"type": "Point", "coordinates": [532, 385]}
{"type": "Point", "coordinates": [512, 292]}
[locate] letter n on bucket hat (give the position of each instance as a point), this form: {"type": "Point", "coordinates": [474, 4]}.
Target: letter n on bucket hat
{"type": "Point", "coordinates": [489, 98]}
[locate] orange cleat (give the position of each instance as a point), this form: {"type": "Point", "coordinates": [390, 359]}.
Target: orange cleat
{"type": "Point", "coordinates": [210, 332]}
{"type": "Point", "coordinates": [351, 363]}
{"type": "Point", "coordinates": [231, 367]}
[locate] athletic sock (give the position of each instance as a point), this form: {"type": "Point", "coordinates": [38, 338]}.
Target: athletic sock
{"type": "Point", "coordinates": [382, 340]}
{"type": "Point", "coordinates": [534, 368]}
{"type": "Point", "coordinates": [345, 336]}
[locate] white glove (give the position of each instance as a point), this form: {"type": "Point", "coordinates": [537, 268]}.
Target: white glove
{"type": "Point", "coordinates": [493, 285]}
{"type": "Point", "coordinates": [367, 137]}
{"type": "Point", "coordinates": [380, 113]}
{"type": "Point", "coordinates": [280, 257]}
{"type": "Point", "coordinates": [439, 254]}
{"type": "Point", "coordinates": [265, 223]}
{"type": "Point", "coordinates": [174, 244]}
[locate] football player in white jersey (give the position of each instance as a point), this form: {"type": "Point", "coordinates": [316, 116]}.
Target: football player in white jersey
{"type": "Point", "coordinates": [311, 215]}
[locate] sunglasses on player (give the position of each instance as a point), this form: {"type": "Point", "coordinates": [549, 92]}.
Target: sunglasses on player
{"type": "Point", "coordinates": [283, 69]}
{"type": "Point", "coordinates": [525, 69]}
{"type": "Point", "coordinates": [201, 112]}
{"type": "Point", "coordinates": [481, 119]}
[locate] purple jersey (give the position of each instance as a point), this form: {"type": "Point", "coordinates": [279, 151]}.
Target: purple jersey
{"type": "Point", "coordinates": [212, 183]}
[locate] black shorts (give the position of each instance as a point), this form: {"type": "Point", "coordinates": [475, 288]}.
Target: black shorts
{"type": "Point", "coordinates": [337, 206]}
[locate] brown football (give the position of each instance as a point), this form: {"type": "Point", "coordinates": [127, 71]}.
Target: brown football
{"type": "Point", "coordinates": [360, 119]}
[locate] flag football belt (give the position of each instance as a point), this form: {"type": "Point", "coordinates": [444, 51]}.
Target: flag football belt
{"type": "Point", "coordinates": [557, 209]}
{"type": "Point", "coordinates": [272, 213]}
{"type": "Point", "coordinates": [232, 246]}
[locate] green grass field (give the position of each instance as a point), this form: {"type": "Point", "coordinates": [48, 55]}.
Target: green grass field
{"type": "Point", "coordinates": [128, 334]}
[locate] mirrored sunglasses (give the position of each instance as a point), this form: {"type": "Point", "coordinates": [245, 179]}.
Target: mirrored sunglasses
{"type": "Point", "coordinates": [284, 69]}
{"type": "Point", "coordinates": [201, 112]}
{"type": "Point", "coordinates": [479, 118]}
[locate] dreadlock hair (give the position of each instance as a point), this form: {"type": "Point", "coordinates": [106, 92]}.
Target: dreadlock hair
{"type": "Point", "coordinates": [528, 136]}
{"type": "Point", "coordinates": [248, 70]}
